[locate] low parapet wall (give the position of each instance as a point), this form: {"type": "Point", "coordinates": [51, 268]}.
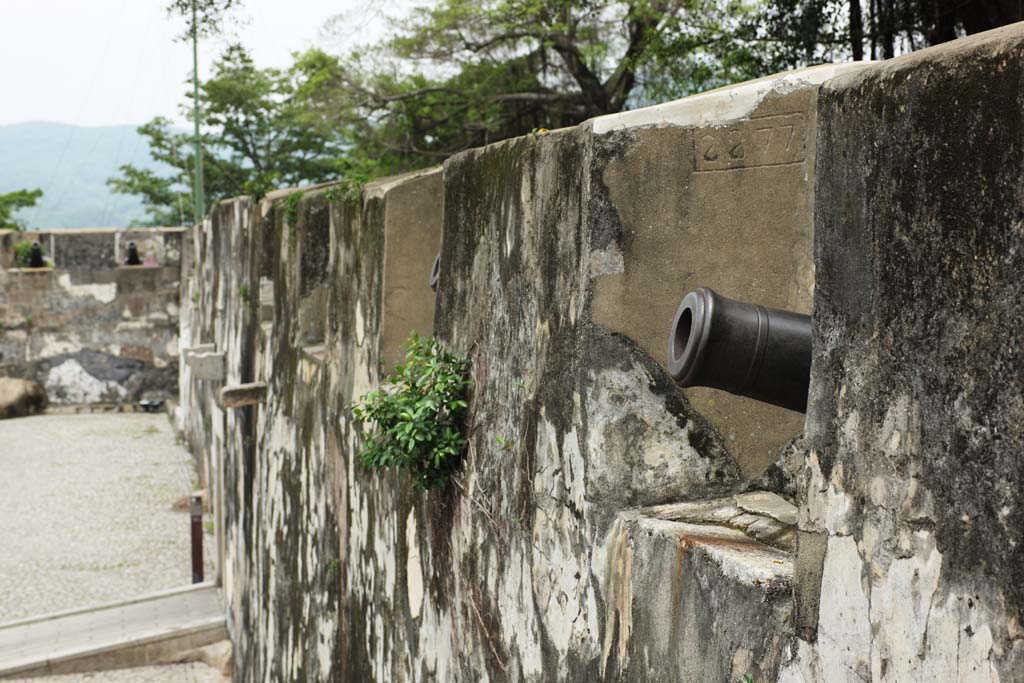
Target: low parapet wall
{"type": "Point", "coordinates": [606, 525]}
{"type": "Point", "coordinates": [91, 329]}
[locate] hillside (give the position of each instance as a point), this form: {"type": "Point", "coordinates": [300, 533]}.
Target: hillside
{"type": "Point", "coordinates": [71, 165]}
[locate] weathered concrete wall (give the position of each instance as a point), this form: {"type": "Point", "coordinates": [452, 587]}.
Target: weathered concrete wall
{"type": "Point", "coordinates": [542, 560]}
{"type": "Point", "coordinates": [88, 329]}
{"type": "Point", "coordinates": [911, 551]}
{"type": "Point", "coordinates": [614, 531]}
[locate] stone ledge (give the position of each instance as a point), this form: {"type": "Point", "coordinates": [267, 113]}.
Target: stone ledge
{"type": "Point", "coordinates": [668, 581]}
{"type": "Point", "coordinates": [205, 362]}
{"type": "Point", "coordinates": [242, 395]}
{"type": "Point", "coordinates": [760, 516]}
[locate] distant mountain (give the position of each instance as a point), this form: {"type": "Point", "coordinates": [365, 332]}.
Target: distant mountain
{"type": "Point", "coordinates": [71, 165]}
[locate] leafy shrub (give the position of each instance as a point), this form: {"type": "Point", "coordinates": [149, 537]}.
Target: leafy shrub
{"type": "Point", "coordinates": [418, 415]}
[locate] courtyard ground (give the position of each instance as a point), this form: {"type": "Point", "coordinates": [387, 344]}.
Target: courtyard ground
{"type": "Point", "coordinates": [88, 519]}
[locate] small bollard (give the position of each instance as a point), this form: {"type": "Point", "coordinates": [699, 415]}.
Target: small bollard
{"type": "Point", "coordinates": [196, 508]}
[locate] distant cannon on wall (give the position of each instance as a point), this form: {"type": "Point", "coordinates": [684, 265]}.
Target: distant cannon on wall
{"type": "Point", "coordinates": [35, 259]}
{"type": "Point", "coordinates": [743, 348]}
{"type": "Point", "coordinates": [133, 255]}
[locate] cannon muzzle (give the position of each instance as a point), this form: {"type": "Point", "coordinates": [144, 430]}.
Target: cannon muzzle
{"type": "Point", "coordinates": [133, 255]}
{"type": "Point", "coordinates": [745, 349]}
{"type": "Point", "coordinates": [35, 258]}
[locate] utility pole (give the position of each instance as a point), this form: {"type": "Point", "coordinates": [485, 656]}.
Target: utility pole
{"type": "Point", "coordinates": [199, 208]}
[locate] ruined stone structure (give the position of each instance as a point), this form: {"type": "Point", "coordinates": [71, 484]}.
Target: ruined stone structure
{"type": "Point", "coordinates": [90, 329]}
{"type": "Point", "coordinates": [621, 528]}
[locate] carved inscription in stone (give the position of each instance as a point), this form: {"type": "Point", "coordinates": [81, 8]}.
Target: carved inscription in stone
{"type": "Point", "coordinates": [766, 141]}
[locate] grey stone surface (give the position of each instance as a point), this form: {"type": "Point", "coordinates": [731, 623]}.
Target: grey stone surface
{"type": "Point", "coordinates": [717, 191]}
{"type": "Point", "coordinates": [412, 232]}
{"type": "Point", "coordinates": [205, 363]}
{"type": "Point", "coordinates": [73, 328]}
{"type": "Point", "coordinates": [88, 514]}
{"type": "Point", "coordinates": [916, 426]}
{"type": "Point", "coordinates": [701, 603]}
{"type": "Point", "coordinates": [767, 504]}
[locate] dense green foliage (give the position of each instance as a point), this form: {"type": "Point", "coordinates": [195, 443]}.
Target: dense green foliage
{"type": "Point", "coordinates": [12, 202]}
{"type": "Point", "coordinates": [463, 73]}
{"type": "Point", "coordinates": [256, 137]}
{"type": "Point", "coordinates": [417, 416]}
{"type": "Point", "coordinates": [456, 74]}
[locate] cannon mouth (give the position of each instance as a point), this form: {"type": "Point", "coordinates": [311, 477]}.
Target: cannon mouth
{"type": "Point", "coordinates": [435, 272]}
{"type": "Point", "coordinates": [688, 339]}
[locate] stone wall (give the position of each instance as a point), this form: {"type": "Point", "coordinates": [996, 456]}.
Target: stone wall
{"type": "Point", "coordinates": [88, 329]}
{"type": "Point", "coordinates": [606, 525]}
{"type": "Point", "coordinates": [911, 557]}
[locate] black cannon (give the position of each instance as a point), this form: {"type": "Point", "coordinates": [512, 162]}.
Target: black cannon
{"type": "Point", "coordinates": [35, 258]}
{"type": "Point", "coordinates": [133, 255]}
{"type": "Point", "coordinates": [435, 272]}
{"type": "Point", "coordinates": [745, 349]}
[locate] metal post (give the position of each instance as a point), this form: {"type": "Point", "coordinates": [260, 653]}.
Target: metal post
{"type": "Point", "coordinates": [199, 200]}
{"type": "Point", "coordinates": [196, 508]}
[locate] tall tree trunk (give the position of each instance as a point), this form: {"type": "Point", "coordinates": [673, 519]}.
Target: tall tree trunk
{"type": "Point", "coordinates": [873, 7]}
{"type": "Point", "coordinates": [886, 28]}
{"type": "Point", "coordinates": [856, 31]}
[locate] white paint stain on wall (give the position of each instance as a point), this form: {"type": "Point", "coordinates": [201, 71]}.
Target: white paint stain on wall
{"type": "Point", "coordinates": [76, 385]}
{"type": "Point", "coordinates": [104, 293]}
{"type": "Point", "coordinates": [413, 567]}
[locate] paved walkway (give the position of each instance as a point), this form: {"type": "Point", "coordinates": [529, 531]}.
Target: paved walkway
{"type": "Point", "coordinates": [87, 515]}
{"type": "Point", "coordinates": [170, 673]}
{"type": "Point", "coordinates": [138, 631]}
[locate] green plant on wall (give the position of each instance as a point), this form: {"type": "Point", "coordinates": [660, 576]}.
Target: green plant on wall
{"type": "Point", "coordinates": [243, 293]}
{"type": "Point", "coordinates": [291, 215]}
{"type": "Point", "coordinates": [417, 416]}
{"type": "Point", "coordinates": [349, 188]}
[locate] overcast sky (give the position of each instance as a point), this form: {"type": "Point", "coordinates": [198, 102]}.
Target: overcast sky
{"type": "Point", "coordinates": [102, 62]}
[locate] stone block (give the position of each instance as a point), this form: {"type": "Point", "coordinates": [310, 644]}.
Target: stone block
{"type": "Point", "coordinates": [205, 362]}
{"type": "Point", "coordinates": [693, 603]}
{"type": "Point", "coordinates": [914, 484]}
{"type": "Point", "coordinates": [714, 190]}
{"type": "Point", "coordinates": [93, 248]}
{"type": "Point", "coordinates": [242, 395]}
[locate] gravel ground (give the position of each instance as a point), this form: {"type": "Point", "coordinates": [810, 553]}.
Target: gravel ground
{"type": "Point", "coordinates": [87, 515]}
{"type": "Point", "coordinates": [170, 673]}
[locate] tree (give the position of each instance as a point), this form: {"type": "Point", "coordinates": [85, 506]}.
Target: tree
{"type": "Point", "coordinates": [12, 202]}
{"type": "Point", "coordinates": [463, 73]}
{"type": "Point", "coordinates": [255, 135]}
{"type": "Point", "coordinates": [822, 30]}
{"type": "Point", "coordinates": [209, 15]}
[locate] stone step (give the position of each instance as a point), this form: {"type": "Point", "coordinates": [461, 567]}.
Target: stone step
{"type": "Point", "coordinates": [145, 630]}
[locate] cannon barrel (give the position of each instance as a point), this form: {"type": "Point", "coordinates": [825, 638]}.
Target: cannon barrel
{"type": "Point", "coordinates": [745, 349]}
{"type": "Point", "coordinates": [133, 255]}
{"type": "Point", "coordinates": [35, 259]}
